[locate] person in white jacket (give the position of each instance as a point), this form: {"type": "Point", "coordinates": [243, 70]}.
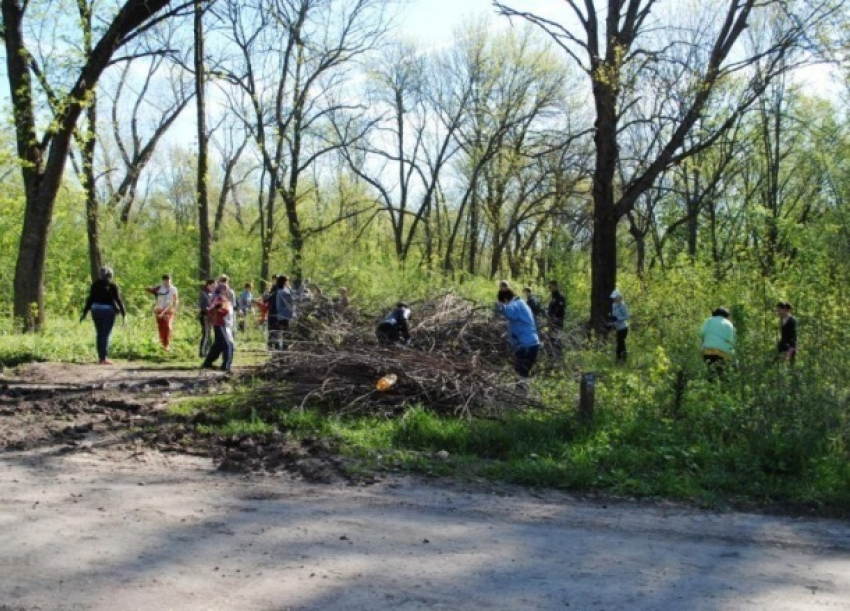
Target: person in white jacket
{"type": "Point", "coordinates": [620, 323]}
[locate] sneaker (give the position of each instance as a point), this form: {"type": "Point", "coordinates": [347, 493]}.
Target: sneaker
{"type": "Point", "coordinates": [105, 362]}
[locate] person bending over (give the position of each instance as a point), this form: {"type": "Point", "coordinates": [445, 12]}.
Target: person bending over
{"type": "Point", "coordinates": [522, 330]}
{"type": "Point", "coordinates": [395, 327]}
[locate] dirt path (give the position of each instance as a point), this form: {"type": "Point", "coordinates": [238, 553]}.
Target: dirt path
{"type": "Point", "coordinates": [123, 526]}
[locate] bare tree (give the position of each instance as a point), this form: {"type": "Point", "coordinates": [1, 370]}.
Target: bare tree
{"type": "Point", "coordinates": [620, 44]}
{"type": "Point", "coordinates": [287, 75]}
{"type": "Point", "coordinates": [43, 157]}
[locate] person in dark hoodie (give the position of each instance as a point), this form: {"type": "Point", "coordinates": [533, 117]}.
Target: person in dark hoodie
{"type": "Point", "coordinates": [533, 303]}
{"type": "Point", "coordinates": [281, 311]}
{"type": "Point", "coordinates": [787, 345]}
{"type": "Point", "coordinates": [104, 303]}
{"type": "Point", "coordinates": [395, 327]}
{"type": "Point", "coordinates": [557, 309]}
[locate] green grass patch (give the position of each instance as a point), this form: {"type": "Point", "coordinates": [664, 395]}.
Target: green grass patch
{"type": "Point", "coordinates": [714, 445]}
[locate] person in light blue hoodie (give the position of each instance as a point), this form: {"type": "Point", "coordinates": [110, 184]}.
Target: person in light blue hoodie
{"type": "Point", "coordinates": [522, 330]}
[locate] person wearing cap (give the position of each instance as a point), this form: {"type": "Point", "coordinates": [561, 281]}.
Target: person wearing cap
{"type": "Point", "coordinates": [395, 327]}
{"type": "Point", "coordinates": [620, 323]}
{"type": "Point", "coordinates": [787, 345]}
{"type": "Point", "coordinates": [522, 330]}
{"type": "Point", "coordinates": [104, 303]}
{"type": "Point", "coordinates": [718, 341]}
{"type": "Point", "coordinates": [167, 300]}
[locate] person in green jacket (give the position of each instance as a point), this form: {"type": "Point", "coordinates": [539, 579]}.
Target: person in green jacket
{"type": "Point", "coordinates": [718, 341]}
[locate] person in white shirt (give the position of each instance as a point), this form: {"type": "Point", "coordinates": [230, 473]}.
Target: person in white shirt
{"type": "Point", "coordinates": [165, 307]}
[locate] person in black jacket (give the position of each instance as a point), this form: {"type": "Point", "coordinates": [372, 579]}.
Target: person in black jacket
{"type": "Point", "coordinates": [105, 303]}
{"type": "Point", "coordinates": [273, 322]}
{"type": "Point", "coordinates": [533, 303]}
{"type": "Point", "coordinates": [557, 310]}
{"type": "Point", "coordinates": [395, 328]}
{"type": "Point", "coordinates": [787, 345]}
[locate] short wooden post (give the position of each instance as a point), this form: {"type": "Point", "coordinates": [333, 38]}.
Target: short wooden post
{"type": "Point", "coordinates": [587, 392]}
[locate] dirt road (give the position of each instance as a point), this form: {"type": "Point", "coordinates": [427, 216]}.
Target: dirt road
{"type": "Point", "coordinates": [90, 526]}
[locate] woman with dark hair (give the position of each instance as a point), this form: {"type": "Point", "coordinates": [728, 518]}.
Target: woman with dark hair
{"type": "Point", "coordinates": [104, 302]}
{"type": "Point", "coordinates": [787, 345]}
{"type": "Point", "coordinates": [718, 341]}
{"type": "Point", "coordinates": [522, 330]}
{"type": "Point", "coordinates": [281, 311]}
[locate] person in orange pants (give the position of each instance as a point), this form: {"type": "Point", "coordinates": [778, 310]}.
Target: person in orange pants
{"type": "Point", "coordinates": [167, 300]}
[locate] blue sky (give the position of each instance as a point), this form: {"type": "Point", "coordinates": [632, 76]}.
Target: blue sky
{"type": "Point", "coordinates": [432, 21]}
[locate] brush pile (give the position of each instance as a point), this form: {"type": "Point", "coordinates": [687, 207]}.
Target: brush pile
{"type": "Point", "coordinates": [459, 363]}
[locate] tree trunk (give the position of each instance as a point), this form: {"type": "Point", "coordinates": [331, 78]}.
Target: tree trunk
{"type": "Point", "coordinates": [604, 268]}
{"type": "Point", "coordinates": [296, 238]}
{"type": "Point", "coordinates": [604, 245]}
{"type": "Point", "coordinates": [32, 253]}
{"type": "Point", "coordinates": [87, 152]}
{"type": "Point", "coordinates": [205, 254]}
{"type": "Point", "coordinates": [43, 159]}
{"type": "Point", "coordinates": [95, 258]}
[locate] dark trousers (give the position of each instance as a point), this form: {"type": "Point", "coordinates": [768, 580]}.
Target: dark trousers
{"type": "Point", "coordinates": [387, 333]}
{"type": "Point", "coordinates": [524, 359]}
{"type": "Point", "coordinates": [223, 345]}
{"type": "Point", "coordinates": [622, 334]}
{"type": "Point", "coordinates": [716, 366]}
{"type": "Point", "coordinates": [104, 320]}
{"type": "Point", "coordinates": [206, 335]}
{"type": "Point", "coordinates": [276, 328]}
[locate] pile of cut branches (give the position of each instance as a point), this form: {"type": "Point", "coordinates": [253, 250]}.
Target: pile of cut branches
{"type": "Point", "coordinates": [459, 362]}
{"type": "Point", "coordinates": [449, 325]}
{"type": "Point", "coordinates": [387, 380]}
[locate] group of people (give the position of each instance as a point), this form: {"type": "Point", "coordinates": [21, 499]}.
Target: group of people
{"type": "Point", "coordinates": [719, 338]}
{"type": "Point", "coordinates": [220, 312]}
{"type": "Point", "coordinates": [521, 315]}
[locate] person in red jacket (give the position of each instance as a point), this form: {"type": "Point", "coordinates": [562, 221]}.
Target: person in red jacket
{"type": "Point", "coordinates": [220, 314]}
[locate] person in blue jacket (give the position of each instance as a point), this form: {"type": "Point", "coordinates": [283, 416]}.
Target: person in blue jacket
{"type": "Point", "coordinates": [522, 330]}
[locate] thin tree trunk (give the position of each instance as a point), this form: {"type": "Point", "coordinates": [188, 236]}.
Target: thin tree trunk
{"type": "Point", "coordinates": [604, 245]}
{"type": "Point", "coordinates": [205, 254]}
{"type": "Point", "coordinates": [92, 225]}
{"type": "Point", "coordinates": [87, 152]}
